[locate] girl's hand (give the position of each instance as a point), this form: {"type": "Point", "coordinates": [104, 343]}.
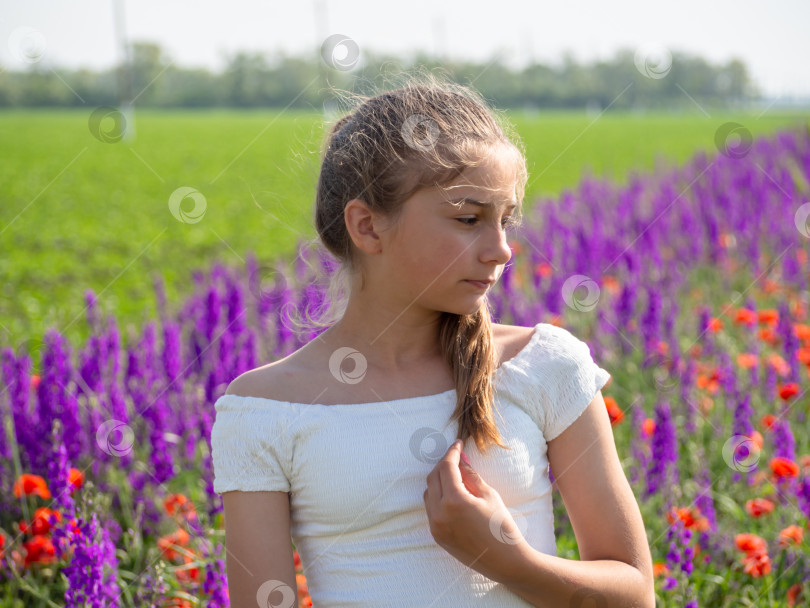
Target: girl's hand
{"type": "Point", "coordinates": [468, 518]}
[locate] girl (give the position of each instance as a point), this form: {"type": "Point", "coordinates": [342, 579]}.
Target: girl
{"type": "Point", "coordinates": [358, 465]}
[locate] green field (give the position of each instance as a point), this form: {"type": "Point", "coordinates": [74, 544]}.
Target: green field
{"type": "Point", "coordinates": [76, 213]}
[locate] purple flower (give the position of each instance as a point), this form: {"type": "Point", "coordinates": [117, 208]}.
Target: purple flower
{"type": "Point", "coordinates": [92, 571]}
{"type": "Point", "coordinates": [664, 449]}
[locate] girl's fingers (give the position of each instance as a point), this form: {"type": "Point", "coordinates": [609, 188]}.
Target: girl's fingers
{"type": "Point", "coordinates": [449, 473]}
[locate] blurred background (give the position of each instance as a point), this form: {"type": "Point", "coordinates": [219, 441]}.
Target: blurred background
{"type": "Point", "coordinates": [107, 108]}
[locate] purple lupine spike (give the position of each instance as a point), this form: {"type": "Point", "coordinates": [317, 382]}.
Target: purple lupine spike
{"type": "Point", "coordinates": [227, 359]}
{"type": "Point", "coordinates": [625, 310]}
{"type": "Point", "coordinates": [89, 369]}
{"type": "Point", "coordinates": [247, 354]}
{"type": "Point", "coordinates": [59, 476]}
{"type": "Point", "coordinates": [54, 400]}
{"type": "Point", "coordinates": [91, 573]}
{"type": "Point", "coordinates": [704, 335]}
{"type": "Point", "coordinates": [784, 444]}
{"type": "Point", "coordinates": [171, 355]}
{"type": "Point", "coordinates": [727, 377]}
{"type": "Point", "coordinates": [133, 370]}
{"type": "Point", "coordinates": [769, 384]}
{"type": "Point", "coordinates": [216, 583]}
{"type": "Point", "coordinates": [25, 415]}
{"type": "Point", "coordinates": [664, 449]}
{"type": "Point", "coordinates": [651, 321]}
{"type": "Point", "coordinates": [235, 309]}
{"type": "Point", "coordinates": [157, 416]}
{"type": "Point", "coordinates": [91, 304]}
{"type": "Point", "coordinates": [219, 273]}
{"type": "Point", "coordinates": [7, 373]}
{"type": "Point", "coordinates": [212, 313]}
{"type": "Point", "coordinates": [149, 358]}
{"type": "Point", "coordinates": [113, 350]}
{"type": "Point", "coordinates": [803, 495]}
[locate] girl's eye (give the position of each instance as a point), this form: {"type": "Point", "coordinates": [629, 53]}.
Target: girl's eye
{"type": "Point", "coordinates": [505, 223]}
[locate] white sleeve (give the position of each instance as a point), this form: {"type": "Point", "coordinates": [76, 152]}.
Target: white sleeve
{"type": "Point", "coordinates": [250, 445]}
{"type": "Point", "coordinates": [571, 378]}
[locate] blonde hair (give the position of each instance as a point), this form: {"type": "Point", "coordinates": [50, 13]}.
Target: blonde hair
{"type": "Point", "coordinates": [387, 148]}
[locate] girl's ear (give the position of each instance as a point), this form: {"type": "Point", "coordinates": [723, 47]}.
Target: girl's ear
{"type": "Point", "coordinates": [360, 221]}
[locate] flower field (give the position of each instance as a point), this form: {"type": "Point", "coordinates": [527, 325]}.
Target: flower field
{"type": "Point", "coordinates": [690, 284]}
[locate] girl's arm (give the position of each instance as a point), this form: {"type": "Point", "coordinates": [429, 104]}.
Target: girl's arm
{"type": "Point", "coordinates": [259, 557]}
{"type": "Point", "coordinates": [615, 566]}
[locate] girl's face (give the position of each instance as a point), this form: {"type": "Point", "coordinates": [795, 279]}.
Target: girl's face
{"type": "Point", "coordinates": [439, 247]}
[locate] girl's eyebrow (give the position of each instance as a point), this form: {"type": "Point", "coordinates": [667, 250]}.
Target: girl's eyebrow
{"type": "Point", "coordinates": [479, 203]}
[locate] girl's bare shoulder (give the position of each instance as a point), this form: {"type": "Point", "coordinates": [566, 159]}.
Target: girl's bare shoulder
{"type": "Point", "coordinates": [510, 340]}
{"type": "Point", "coordinates": [295, 376]}
{"type": "Point", "coordinates": [276, 380]}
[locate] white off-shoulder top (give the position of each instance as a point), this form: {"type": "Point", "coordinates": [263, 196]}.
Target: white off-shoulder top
{"type": "Point", "coordinates": [356, 474]}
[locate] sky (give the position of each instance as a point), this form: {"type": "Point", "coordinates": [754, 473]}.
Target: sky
{"type": "Point", "coordinates": [771, 38]}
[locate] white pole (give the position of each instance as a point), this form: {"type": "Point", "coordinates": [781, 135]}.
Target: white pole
{"type": "Point", "coordinates": [125, 72]}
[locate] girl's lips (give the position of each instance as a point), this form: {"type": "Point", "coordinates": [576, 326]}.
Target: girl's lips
{"type": "Point", "coordinates": [479, 284]}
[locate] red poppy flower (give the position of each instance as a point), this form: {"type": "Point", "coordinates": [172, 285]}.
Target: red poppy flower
{"type": "Point", "coordinates": [76, 479]}
{"type": "Point", "coordinates": [794, 594]}
{"type": "Point", "coordinates": [692, 518]}
{"type": "Point", "coordinates": [711, 382]}
{"type": "Point", "coordinates": [769, 316]}
{"type": "Point", "coordinates": [768, 420]}
{"type": "Point", "coordinates": [747, 360]}
{"type": "Point", "coordinates": [40, 550]}
{"type": "Point", "coordinates": [188, 574]}
{"type": "Point", "coordinates": [614, 411]}
{"type": "Point", "coordinates": [766, 334]}
{"type": "Point", "coordinates": [792, 535]}
{"type": "Point", "coordinates": [788, 390]}
{"type": "Point", "coordinates": [784, 467]}
{"type": "Point", "coordinates": [543, 270]}
{"type": "Point", "coordinates": [40, 524]}
{"type": "Point", "coordinates": [28, 485]}
{"type": "Point", "coordinates": [757, 564]}
{"type": "Point", "coordinates": [778, 363]}
{"type": "Point", "coordinates": [750, 542]}
{"type": "Point", "coordinates": [801, 331]}
{"type": "Point", "coordinates": [745, 316]}
{"type": "Point", "coordinates": [167, 544]}
{"type": "Point", "coordinates": [757, 507]}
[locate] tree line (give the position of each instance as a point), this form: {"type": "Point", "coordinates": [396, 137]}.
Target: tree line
{"type": "Point", "coordinates": [259, 80]}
